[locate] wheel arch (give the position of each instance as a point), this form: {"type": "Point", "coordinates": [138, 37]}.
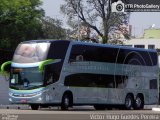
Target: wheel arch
{"type": "Point", "coordinates": [131, 94]}
{"type": "Point", "coordinates": [141, 95]}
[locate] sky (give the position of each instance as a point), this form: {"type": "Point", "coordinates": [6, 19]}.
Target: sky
{"type": "Point", "coordinates": [138, 20]}
{"type": "Point", "coordinates": [52, 9]}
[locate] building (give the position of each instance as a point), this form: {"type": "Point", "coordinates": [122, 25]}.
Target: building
{"type": "Point", "coordinates": [150, 40]}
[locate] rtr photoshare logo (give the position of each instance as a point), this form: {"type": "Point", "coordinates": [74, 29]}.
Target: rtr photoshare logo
{"type": "Point", "coordinates": [118, 6]}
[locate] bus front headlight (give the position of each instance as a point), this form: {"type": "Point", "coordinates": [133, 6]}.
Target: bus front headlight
{"type": "Point", "coordinates": [10, 94]}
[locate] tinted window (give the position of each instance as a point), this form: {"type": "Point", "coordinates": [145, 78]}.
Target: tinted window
{"type": "Point", "coordinates": [93, 53]}
{"type": "Point", "coordinates": [136, 57]}
{"type": "Point", "coordinates": [58, 49]}
{"type": "Point", "coordinates": [95, 80]}
{"type": "Point", "coordinates": [153, 84]}
{"type": "Point", "coordinates": [112, 55]}
{"type": "Point", "coordinates": [52, 73]}
{"type": "Point", "coordinates": [154, 57]}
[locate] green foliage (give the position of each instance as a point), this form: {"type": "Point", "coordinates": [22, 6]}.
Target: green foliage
{"type": "Point", "coordinates": [19, 21]}
{"type": "Point", "coordinates": [52, 29]}
{"type": "Point", "coordinates": [22, 20]}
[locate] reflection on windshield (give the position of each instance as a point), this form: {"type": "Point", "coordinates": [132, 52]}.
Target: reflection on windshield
{"type": "Point", "coordinates": [31, 52]}
{"type": "Point", "coordinates": [26, 78]}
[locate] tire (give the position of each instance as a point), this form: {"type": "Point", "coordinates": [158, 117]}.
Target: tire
{"type": "Point", "coordinates": [65, 102]}
{"type": "Point", "coordinates": [129, 102]}
{"type": "Point", "coordinates": [139, 103]}
{"type": "Point", "coordinates": [34, 107]}
{"type": "Point", "coordinates": [99, 107]}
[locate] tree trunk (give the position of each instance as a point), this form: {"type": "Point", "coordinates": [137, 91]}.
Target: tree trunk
{"type": "Point", "coordinates": [105, 33]}
{"type": "Point", "coordinates": [105, 39]}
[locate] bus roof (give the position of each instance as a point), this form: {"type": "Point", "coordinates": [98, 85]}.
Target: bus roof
{"type": "Point", "coordinates": [114, 46]}
{"type": "Point", "coordinates": [87, 43]}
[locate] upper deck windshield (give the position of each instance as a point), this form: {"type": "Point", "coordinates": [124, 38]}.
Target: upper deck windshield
{"type": "Point", "coordinates": [31, 52]}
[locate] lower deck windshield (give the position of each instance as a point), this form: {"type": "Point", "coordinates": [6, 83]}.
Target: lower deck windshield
{"type": "Point", "coordinates": [26, 78]}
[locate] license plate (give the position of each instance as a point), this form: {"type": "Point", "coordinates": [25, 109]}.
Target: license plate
{"type": "Point", "coordinates": [23, 101]}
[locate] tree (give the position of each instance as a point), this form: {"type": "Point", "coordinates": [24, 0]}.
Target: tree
{"type": "Point", "coordinates": [92, 11]}
{"type": "Point", "coordinates": [19, 21]}
{"type": "Point", "coordinates": [52, 29]}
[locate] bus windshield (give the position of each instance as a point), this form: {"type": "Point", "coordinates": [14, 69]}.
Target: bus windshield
{"type": "Point", "coordinates": [31, 52]}
{"type": "Point", "coordinates": [26, 78]}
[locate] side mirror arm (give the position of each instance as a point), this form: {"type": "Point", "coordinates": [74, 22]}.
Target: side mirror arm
{"type": "Point", "coordinates": [4, 65]}
{"type": "Point", "coordinates": [43, 63]}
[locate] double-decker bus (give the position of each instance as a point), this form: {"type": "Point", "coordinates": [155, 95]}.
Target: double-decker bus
{"type": "Point", "coordinates": [67, 73]}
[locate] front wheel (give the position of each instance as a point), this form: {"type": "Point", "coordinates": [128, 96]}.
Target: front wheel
{"type": "Point", "coordinates": [34, 107]}
{"type": "Point", "coordinates": [65, 102]}
{"type": "Point", "coordinates": [129, 102]}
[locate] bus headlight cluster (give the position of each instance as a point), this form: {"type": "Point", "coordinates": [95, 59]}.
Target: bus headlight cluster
{"type": "Point", "coordinates": [10, 94]}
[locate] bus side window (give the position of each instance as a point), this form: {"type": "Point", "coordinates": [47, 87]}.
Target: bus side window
{"type": "Point", "coordinates": [50, 75]}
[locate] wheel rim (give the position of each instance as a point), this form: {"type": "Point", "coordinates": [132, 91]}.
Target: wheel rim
{"type": "Point", "coordinates": [66, 101]}
{"type": "Point", "coordinates": [138, 102]}
{"type": "Point", "coordinates": [128, 102]}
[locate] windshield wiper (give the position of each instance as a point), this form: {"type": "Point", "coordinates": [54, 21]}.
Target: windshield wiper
{"type": "Point", "coordinates": [14, 87]}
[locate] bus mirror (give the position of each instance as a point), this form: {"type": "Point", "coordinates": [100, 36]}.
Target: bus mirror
{"type": "Point", "coordinates": [43, 63]}
{"type": "Point", "coordinates": [6, 66]}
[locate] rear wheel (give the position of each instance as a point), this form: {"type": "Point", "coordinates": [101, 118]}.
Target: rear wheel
{"type": "Point", "coordinates": [34, 107]}
{"type": "Point", "coordinates": [129, 102]}
{"type": "Point", "coordinates": [139, 102]}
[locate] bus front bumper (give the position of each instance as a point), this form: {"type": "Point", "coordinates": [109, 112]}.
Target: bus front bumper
{"type": "Point", "coordinates": [26, 98]}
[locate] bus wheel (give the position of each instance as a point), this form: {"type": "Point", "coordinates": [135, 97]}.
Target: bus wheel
{"type": "Point", "coordinates": [139, 102]}
{"type": "Point", "coordinates": [34, 107]}
{"type": "Point", "coordinates": [65, 102]}
{"type": "Point", "coordinates": [99, 107]}
{"type": "Point", "coordinates": [129, 102]}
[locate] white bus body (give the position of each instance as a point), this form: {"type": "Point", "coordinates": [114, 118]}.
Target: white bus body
{"type": "Point", "coordinates": [67, 73]}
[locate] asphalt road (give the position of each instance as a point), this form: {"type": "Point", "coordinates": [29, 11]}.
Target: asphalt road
{"type": "Point", "coordinates": [78, 113]}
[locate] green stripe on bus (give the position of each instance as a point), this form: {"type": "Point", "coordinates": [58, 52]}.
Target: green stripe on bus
{"type": "Point", "coordinates": [4, 65]}
{"type": "Point", "coordinates": [41, 65]}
